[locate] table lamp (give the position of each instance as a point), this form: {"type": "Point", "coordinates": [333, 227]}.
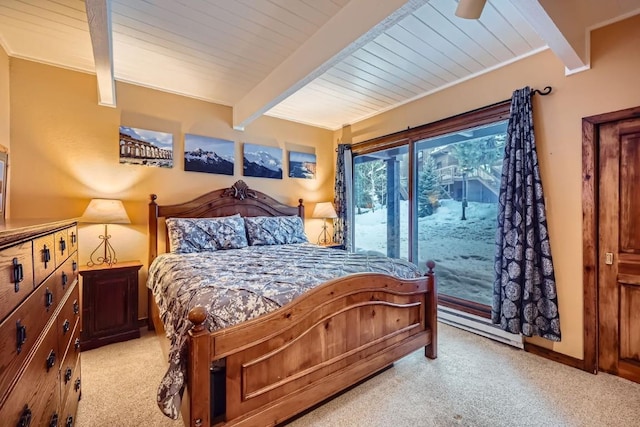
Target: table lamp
{"type": "Point", "coordinates": [470, 9]}
{"type": "Point", "coordinates": [324, 210]}
{"type": "Point", "coordinates": [104, 211]}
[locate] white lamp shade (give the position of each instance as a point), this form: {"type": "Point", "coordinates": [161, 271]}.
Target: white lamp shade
{"type": "Point", "coordinates": [324, 210]}
{"type": "Point", "coordinates": [470, 9]}
{"type": "Point", "coordinates": [105, 211]}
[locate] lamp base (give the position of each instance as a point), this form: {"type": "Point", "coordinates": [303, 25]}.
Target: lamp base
{"type": "Point", "coordinates": [325, 238]}
{"type": "Point", "coordinates": [108, 253]}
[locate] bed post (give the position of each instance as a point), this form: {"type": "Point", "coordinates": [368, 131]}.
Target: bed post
{"type": "Point", "coordinates": [153, 251]}
{"type": "Point", "coordinates": [301, 209]}
{"type": "Point", "coordinates": [198, 374]}
{"type": "Point", "coordinates": [431, 312]}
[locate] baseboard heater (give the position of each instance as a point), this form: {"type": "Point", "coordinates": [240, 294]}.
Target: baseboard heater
{"type": "Point", "coordinates": [477, 325]}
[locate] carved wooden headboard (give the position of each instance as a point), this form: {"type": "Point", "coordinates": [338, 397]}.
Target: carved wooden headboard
{"type": "Point", "coordinates": [237, 199]}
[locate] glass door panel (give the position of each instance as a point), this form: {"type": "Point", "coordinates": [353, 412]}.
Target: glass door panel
{"type": "Point", "coordinates": [458, 181]}
{"type": "Point", "coordinates": [381, 201]}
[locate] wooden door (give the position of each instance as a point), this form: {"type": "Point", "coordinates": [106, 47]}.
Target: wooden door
{"type": "Point", "coordinates": [619, 249]}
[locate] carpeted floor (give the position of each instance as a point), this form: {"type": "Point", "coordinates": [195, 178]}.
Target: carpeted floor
{"type": "Point", "coordinates": [474, 382]}
{"type": "Point", "coordinates": [119, 383]}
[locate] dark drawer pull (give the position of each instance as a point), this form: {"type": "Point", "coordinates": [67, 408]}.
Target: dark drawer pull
{"type": "Point", "coordinates": [66, 325]}
{"type": "Point", "coordinates": [51, 360]}
{"type": "Point", "coordinates": [46, 255]}
{"type": "Point", "coordinates": [54, 420]}
{"type": "Point", "coordinates": [76, 344]}
{"type": "Point", "coordinates": [48, 298]}
{"type": "Point", "coordinates": [25, 417]}
{"type": "Point", "coordinates": [65, 279]}
{"type": "Point", "coordinates": [74, 238]}
{"type": "Point", "coordinates": [21, 336]}
{"type": "Point", "coordinates": [17, 274]}
{"type": "Point", "coordinates": [69, 421]}
{"type": "Point", "coordinates": [74, 266]}
{"type": "Point", "coordinates": [63, 245]}
{"type": "Point", "coordinates": [76, 307]}
{"type": "Point", "coordinates": [67, 375]}
{"type": "Point", "coordinates": [76, 385]}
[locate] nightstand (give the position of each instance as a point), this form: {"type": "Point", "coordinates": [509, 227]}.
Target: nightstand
{"type": "Point", "coordinates": [333, 245]}
{"type": "Point", "coordinates": [109, 304]}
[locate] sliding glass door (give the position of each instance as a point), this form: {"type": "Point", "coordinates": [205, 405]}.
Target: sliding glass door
{"type": "Point", "coordinates": [458, 177]}
{"type": "Point", "coordinates": [431, 193]}
{"type": "Point", "coordinates": [380, 188]}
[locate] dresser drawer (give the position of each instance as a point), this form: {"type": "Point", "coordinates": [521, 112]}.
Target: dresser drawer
{"type": "Point", "coordinates": [73, 346]}
{"type": "Point", "coordinates": [37, 390]}
{"type": "Point", "coordinates": [65, 275]}
{"type": "Point", "coordinates": [69, 373]}
{"type": "Point", "coordinates": [61, 239]}
{"type": "Point", "coordinates": [20, 331]}
{"type": "Point", "coordinates": [16, 263]}
{"type": "Point", "coordinates": [67, 319]}
{"type": "Point", "coordinates": [72, 233]}
{"type": "Point", "coordinates": [42, 409]}
{"type": "Point", "coordinates": [74, 392]}
{"type": "Point", "coordinates": [44, 254]}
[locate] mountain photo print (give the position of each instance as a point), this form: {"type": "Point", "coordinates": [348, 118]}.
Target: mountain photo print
{"type": "Point", "coordinates": [302, 165]}
{"type": "Point", "coordinates": [210, 155]}
{"type": "Point", "coordinates": [262, 161]}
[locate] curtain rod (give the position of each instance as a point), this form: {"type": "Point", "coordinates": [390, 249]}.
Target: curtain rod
{"type": "Point", "coordinates": [546, 91]}
{"type": "Point", "coordinates": [542, 92]}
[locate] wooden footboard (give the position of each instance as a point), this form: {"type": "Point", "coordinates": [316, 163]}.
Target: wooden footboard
{"type": "Point", "coordinates": [323, 342]}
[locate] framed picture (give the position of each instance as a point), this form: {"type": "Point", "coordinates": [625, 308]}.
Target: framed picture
{"type": "Point", "coordinates": [302, 165]}
{"type": "Point", "coordinates": [4, 157]}
{"type": "Point", "coordinates": [146, 147]}
{"type": "Point", "coordinates": [211, 155]}
{"type": "Point", "coordinates": [261, 161]}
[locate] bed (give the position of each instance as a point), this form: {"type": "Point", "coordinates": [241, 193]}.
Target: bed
{"type": "Point", "coordinates": [331, 335]}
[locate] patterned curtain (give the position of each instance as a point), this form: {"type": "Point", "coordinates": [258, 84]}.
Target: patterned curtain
{"type": "Point", "coordinates": [342, 195]}
{"type": "Point", "coordinates": [524, 291]}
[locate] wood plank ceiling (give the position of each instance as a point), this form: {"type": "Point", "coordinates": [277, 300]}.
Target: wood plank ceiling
{"type": "Point", "coordinates": [231, 52]}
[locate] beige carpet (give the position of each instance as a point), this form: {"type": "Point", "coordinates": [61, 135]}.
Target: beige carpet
{"type": "Point", "coordinates": [474, 382]}
{"type": "Point", "coordinates": [119, 383]}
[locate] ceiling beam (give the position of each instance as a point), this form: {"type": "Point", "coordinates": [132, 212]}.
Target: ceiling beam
{"type": "Point", "coordinates": [357, 23]}
{"type": "Point", "coordinates": [561, 25]}
{"type": "Point", "coordinates": [99, 17]}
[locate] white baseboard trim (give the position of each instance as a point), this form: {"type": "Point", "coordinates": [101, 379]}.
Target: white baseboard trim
{"type": "Point", "coordinates": [478, 325]}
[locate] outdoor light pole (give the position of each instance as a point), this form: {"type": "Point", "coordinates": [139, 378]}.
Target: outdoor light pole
{"type": "Point", "coordinates": [464, 195]}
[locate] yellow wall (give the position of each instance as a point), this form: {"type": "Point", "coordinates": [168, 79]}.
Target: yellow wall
{"type": "Point", "coordinates": [65, 152]}
{"type": "Point", "coordinates": [4, 105]}
{"type": "Point", "coordinates": [611, 84]}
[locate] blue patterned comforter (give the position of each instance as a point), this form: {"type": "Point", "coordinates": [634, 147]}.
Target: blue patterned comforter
{"type": "Point", "coordinates": [240, 284]}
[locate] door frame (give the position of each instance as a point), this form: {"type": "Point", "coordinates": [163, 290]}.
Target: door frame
{"type": "Point", "coordinates": [590, 183]}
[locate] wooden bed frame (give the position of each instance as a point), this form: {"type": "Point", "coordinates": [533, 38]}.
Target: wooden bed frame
{"type": "Point", "coordinates": [324, 341]}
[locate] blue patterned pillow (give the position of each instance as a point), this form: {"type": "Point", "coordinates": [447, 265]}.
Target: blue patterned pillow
{"type": "Point", "coordinates": [206, 234]}
{"type": "Point", "coordinates": [275, 230]}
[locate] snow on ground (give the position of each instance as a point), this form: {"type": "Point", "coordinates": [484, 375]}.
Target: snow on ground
{"type": "Point", "coordinates": [462, 249]}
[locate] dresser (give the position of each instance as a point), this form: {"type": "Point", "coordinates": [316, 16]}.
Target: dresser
{"type": "Point", "coordinates": [39, 323]}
